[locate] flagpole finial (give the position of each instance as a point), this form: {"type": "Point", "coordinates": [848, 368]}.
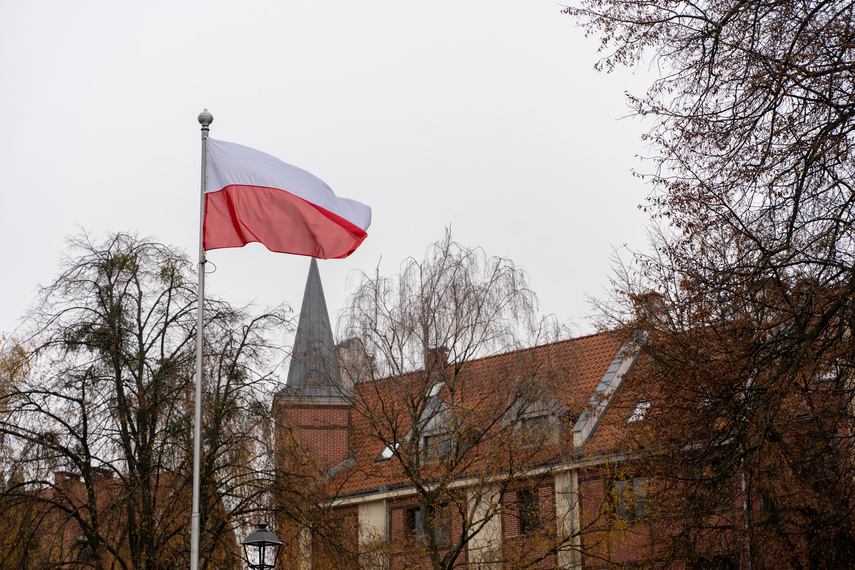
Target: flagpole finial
{"type": "Point", "coordinates": [205, 119]}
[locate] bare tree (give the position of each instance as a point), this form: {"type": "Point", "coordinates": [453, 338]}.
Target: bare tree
{"type": "Point", "coordinates": [100, 423]}
{"type": "Point", "coordinates": [454, 401]}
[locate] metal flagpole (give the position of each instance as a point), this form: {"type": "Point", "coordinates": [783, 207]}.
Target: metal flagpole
{"type": "Point", "coordinates": [205, 119]}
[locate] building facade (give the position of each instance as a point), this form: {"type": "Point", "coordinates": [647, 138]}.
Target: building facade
{"type": "Point", "coordinates": [507, 461]}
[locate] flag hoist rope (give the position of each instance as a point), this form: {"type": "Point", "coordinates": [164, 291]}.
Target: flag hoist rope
{"type": "Point", "coordinates": [205, 119]}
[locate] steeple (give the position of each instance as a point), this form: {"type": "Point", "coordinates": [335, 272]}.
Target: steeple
{"type": "Point", "coordinates": [314, 371]}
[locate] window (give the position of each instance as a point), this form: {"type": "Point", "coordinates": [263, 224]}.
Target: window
{"type": "Point", "coordinates": [415, 524]}
{"type": "Point", "coordinates": [537, 430]}
{"type": "Point", "coordinates": [528, 508]}
{"type": "Point", "coordinates": [536, 425]}
{"type": "Point", "coordinates": [438, 446]}
{"type": "Point", "coordinates": [630, 497]}
{"type": "Point", "coordinates": [640, 411]}
{"type": "Point", "coordinates": [442, 525]}
{"type": "Point", "coordinates": [388, 451]}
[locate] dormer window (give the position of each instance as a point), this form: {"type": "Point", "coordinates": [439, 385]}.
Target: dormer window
{"type": "Point", "coordinates": [536, 424]}
{"type": "Point", "coordinates": [538, 417]}
{"type": "Point", "coordinates": [538, 429]}
{"type": "Point", "coordinates": [544, 427]}
{"type": "Point", "coordinates": [435, 389]}
{"type": "Point", "coordinates": [438, 446]}
{"type": "Point", "coordinates": [435, 430]}
{"type": "Point", "coordinates": [388, 451]}
{"type": "Point", "coordinates": [639, 412]}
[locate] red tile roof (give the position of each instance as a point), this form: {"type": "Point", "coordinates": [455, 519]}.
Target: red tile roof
{"type": "Point", "coordinates": [568, 370]}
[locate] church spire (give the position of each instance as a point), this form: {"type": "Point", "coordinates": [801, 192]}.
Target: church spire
{"type": "Point", "coordinates": [314, 371]}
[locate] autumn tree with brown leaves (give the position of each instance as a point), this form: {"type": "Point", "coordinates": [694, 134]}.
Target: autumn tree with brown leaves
{"type": "Point", "coordinates": [749, 298]}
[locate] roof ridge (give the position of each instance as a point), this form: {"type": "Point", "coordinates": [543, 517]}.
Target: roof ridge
{"type": "Point", "coordinates": [508, 354]}
{"type": "Point", "coordinates": [535, 347]}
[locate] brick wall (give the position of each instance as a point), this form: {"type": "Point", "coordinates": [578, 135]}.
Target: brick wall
{"type": "Point", "coordinates": [407, 549]}
{"type": "Point", "coordinates": [521, 544]}
{"type": "Point", "coordinates": [335, 543]}
{"type": "Point", "coordinates": [604, 533]}
{"type": "Point", "coordinates": [323, 430]}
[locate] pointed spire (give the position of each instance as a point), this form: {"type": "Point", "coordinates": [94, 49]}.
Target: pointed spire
{"type": "Point", "coordinates": [314, 371]}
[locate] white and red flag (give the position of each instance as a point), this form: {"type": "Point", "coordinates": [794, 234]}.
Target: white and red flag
{"type": "Point", "coordinates": [251, 196]}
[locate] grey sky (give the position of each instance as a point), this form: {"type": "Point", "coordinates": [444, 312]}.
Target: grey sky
{"type": "Point", "coordinates": [483, 115]}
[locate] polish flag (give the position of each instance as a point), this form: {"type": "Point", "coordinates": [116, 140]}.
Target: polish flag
{"type": "Point", "coordinates": [251, 196]}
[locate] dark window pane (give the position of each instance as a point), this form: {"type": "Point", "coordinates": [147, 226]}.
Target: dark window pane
{"type": "Point", "coordinates": [442, 525]}
{"type": "Point", "coordinates": [630, 498]}
{"type": "Point", "coordinates": [639, 490]}
{"type": "Point", "coordinates": [528, 504]}
{"type": "Point", "coordinates": [413, 521]}
{"type": "Point", "coordinates": [438, 446]}
{"type": "Point", "coordinates": [621, 492]}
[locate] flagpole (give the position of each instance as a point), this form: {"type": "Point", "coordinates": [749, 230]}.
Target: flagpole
{"type": "Point", "coordinates": [205, 119]}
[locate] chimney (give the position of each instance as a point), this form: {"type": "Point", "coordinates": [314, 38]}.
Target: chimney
{"type": "Point", "coordinates": [436, 359]}
{"type": "Point", "coordinates": [354, 363]}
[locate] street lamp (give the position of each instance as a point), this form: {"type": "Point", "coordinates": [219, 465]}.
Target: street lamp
{"type": "Point", "coordinates": [261, 549]}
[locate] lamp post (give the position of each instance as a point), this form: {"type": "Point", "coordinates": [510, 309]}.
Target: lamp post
{"type": "Point", "coordinates": [261, 549]}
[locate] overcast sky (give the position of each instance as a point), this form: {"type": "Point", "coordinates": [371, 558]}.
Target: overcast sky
{"type": "Point", "coordinates": [485, 116]}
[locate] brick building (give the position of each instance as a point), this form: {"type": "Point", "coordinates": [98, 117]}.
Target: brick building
{"type": "Point", "coordinates": [73, 524]}
{"type": "Point", "coordinates": [543, 485]}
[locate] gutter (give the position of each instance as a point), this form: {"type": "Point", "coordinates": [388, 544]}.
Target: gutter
{"type": "Point", "coordinates": [385, 492]}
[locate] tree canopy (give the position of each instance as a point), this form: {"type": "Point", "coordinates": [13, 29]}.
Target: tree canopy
{"type": "Point", "coordinates": [747, 300]}
{"type": "Point", "coordinates": [97, 408]}
{"type": "Point", "coordinates": [425, 402]}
